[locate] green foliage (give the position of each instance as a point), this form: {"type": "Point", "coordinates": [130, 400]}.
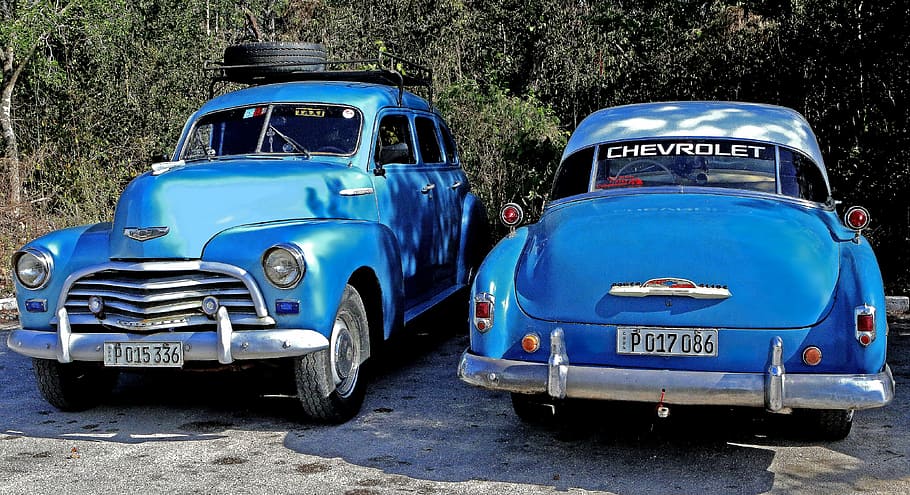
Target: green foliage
{"type": "Point", "coordinates": [111, 83]}
{"type": "Point", "coordinates": [508, 145]}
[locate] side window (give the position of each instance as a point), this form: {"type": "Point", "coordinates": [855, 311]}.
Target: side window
{"type": "Point", "coordinates": [449, 142]}
{"type": "Point", "coordinates": [574, 174]}
{"type": "Point", "coordinates": [801, 178]}
{"type": "Point", "coordinates": [428, 140]}
{"type": "Point", "coordinates": [393, 145]}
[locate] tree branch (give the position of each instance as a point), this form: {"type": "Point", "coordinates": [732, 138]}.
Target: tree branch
{"type": "Point", "coordinates": [254, 23]}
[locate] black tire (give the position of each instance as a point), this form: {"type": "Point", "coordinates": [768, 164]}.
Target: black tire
{"type": "Point", "coordinates": [73, 386]}
{"type": "Point", "coordinates": [338, 365]}
{"type": "Point", "coordinates": [825, 424]}
{"type": "Point", "coordinates": [532, 408]}
{"type": "Point", "coordinates": [272, 59]}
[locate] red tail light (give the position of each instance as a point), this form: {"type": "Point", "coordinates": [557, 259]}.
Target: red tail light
{"type": "Point", "coordinates": [856, 218]}
{"type": "Point", "coordinates": [483, 311]}
{"type": "Point", "coordinates": [511, 214]}
{"type": "Point", "coordinates": [865, 324]}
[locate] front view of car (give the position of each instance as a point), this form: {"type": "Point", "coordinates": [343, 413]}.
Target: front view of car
{"type": "Point", "coordinates": [690, 254]}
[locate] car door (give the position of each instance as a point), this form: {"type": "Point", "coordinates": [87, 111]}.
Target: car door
{"type": "Point", "coordinates": [451, 186]}
{"type": "Point", "coordinates": [405, 196]}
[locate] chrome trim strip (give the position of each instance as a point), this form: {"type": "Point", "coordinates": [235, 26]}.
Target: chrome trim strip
{"type": "Point", "coordinates": [803, 390]}
{"type": "Point", "coordinates": [197, 346]}
{"type": "Point", "coordinates": [151, 324]}
{"type": "Point", "coordinates": [695, 293]}
{"type": "Point", "coordinates": [357, 191]}
{"type": "Point", "coordinates": [165, 266]}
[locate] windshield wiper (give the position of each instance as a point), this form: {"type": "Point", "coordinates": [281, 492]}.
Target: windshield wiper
{"type": "Point", "coordinates": [297, 146]}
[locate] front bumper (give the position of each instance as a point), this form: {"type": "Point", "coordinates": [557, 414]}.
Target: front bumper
{"type": "Point", "coordinates": [224, 345]}
{"type": "Point", "coordinates": [775, 390]}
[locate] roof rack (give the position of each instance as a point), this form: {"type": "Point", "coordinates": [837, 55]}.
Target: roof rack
{"type": "Point", "coordinates": [386, 69]}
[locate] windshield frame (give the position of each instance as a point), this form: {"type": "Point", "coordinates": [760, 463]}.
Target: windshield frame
{"type": "Point", "coordinates": [188, 140]}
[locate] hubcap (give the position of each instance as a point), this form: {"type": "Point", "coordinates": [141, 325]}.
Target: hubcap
{"type": "Point", "coordinates": [345, 358]}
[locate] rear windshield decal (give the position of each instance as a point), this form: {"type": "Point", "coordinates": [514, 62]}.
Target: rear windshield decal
{"type": "Point", "coordinates": [690, 149]}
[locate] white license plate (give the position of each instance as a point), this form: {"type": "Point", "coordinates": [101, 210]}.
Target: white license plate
{"type": "Point", "coordinates": [666, 341]}
{"type": "Point", "coordinates": [144, 354]}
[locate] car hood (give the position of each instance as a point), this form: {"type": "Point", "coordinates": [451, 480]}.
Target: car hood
{"type": "Point", "coordinates": [778, 259]}
{"type": "Point", "coordinates": [197, 201]}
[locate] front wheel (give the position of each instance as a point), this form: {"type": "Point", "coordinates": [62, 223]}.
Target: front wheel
{"type": "Point", "coordinates": [73, 386]}
{"type": "Point", "coordinates": [330, 383]}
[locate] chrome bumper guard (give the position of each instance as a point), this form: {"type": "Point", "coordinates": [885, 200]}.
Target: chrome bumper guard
{"type": "Point", "coordinates": [224, 345]}
{"type": "Point", "coordinates": [774, 390]}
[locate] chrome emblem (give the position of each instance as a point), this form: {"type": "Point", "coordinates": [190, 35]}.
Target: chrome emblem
{"type": "Point", "coordinates": [670, 286]}
{"type": "Point", "coordinates": [142, 234]}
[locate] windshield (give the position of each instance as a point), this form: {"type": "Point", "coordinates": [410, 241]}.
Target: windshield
{"type": "Point", "coordinates": [722, 163]}
{"type": "Point", "coordinates": [303, 129]}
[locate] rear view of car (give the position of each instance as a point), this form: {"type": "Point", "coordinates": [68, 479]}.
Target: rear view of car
{"type": "Point", "coordinates": [690, 253]}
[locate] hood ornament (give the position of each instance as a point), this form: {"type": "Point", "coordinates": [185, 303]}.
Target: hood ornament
{"type": "Point", "coordinates": [143, 234]}
{"type": "Point", "coordinates": [670, 286]}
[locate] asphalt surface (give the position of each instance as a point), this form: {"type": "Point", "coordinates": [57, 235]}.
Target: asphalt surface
{"type": "Point", "coordinates": [423, 431]}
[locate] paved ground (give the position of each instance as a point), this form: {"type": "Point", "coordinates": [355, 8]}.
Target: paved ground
{"type": "Point", "coordinates": [422, 431]}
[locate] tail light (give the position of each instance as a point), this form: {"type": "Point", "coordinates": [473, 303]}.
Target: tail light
{"type": "Point", "coordinates": [483, 311]}
{"type": "Point", "coordinates": [511, 215]}
{"type": "Point", "coordinates": [856, 219]}
{"type": "Point", "coordinates": [865, 324]}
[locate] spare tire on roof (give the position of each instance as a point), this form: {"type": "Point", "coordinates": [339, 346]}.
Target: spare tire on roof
{"type": "Point", "coordinates": [248, 62]}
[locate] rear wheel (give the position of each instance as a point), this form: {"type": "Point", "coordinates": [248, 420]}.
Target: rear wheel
{"type": "Point", "coordinates": [73, 386]}
{"type": "Point", "coordinates": [825, 424]}
{"type": "Point", "coordinates": [532, 408]}
{"type": "Point", "coordinates": [330, 383]}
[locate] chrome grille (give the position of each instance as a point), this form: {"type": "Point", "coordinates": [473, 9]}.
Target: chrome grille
{"type": "Point", "coordinates": [152, 296]}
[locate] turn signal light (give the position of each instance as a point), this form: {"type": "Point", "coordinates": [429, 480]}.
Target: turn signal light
{"type": "Point", "coordinates": [812, 355]}
{"type": "Point", "coordinates": [530, 343]}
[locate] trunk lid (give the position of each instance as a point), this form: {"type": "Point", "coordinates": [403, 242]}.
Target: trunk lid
{"type": "Point", "coordinates": [778, 259]}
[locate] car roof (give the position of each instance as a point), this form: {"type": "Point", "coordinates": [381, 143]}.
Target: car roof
{"type": "Point", "coordinates": [698, 119]}
{"type": "Point", "coordinates": [368, 97]}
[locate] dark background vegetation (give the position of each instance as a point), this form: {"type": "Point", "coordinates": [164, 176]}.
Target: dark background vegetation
{"type": "Point", "coordinates": [106, 85]}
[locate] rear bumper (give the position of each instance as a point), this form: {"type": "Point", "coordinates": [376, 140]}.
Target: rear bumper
{"type": "Point", "coordinates": [774, 390]}
{"type": "Point", "coordinates": [224, 345]}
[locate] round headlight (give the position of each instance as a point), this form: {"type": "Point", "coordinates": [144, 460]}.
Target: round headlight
{"type": "Point", "coordinates": [283, 265]}
{"type": "Point", "coordinates": [33, 268]}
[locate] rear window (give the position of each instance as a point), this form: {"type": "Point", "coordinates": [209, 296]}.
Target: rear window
{"type": "Point", "coordinates": [721, 163]}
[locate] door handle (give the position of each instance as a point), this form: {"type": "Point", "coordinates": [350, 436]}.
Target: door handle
{"type": "Point", "coordinates": [427, 188]}
{"type": "Point", "coordinates": [456, 185]}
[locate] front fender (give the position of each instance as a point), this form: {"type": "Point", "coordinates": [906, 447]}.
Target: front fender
{"type": "Point", "coordinates": [333, 251]}
{"type": "Point", "coordinates": [71, 249]}
{"type": "Point", "coordinates": [496, 276]}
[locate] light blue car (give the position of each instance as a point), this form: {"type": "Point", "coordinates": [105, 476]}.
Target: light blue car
{"type": "Point", "coordinates": [690, 254]}
{"type": "Point", "coordinates": [300, 222]}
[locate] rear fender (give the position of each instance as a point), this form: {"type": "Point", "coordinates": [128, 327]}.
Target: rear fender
{"type": "Point", "coordinates": [496, 276]}
{"type": "Point", "coordinates": [333, 251]}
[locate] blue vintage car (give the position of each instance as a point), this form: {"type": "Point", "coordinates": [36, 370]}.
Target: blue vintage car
{"type": "Point", "coordinates": [690, 253]}
{"type": "Point", "coordinates": [301, 222]}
